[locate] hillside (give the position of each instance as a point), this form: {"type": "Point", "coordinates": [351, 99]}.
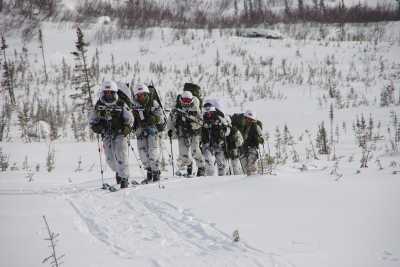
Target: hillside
{"type": "Point", "coordinates": [305, 208]}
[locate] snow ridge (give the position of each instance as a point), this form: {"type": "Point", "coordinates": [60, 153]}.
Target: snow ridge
{"type": "Point", "coordinates": [135, 227]}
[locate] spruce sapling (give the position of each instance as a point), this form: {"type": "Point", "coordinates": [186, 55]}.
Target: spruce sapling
{"type": "Point", "coordinates": [41, 46]}
{"type": "Point", "coordinates": [331, 137]}
{"type": "Point", "coordinates": [8, 75]}
{"type": "Point", "coordinates": [82, 79]}
{"type": "Point", "coordinates": [50, 159]}
{"type": "Point", "coordinates": [4, 160]}
{"type": "Point", "coordinates": [55, 261]}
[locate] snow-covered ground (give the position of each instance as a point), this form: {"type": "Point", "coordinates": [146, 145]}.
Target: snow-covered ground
{"type": "Point", "coordinates": [308, 213]}
{"type": "Point", "coordinates": [305, 214]}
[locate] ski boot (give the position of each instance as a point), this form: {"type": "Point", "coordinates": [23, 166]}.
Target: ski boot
{"type": "Point", "coordinates": [156, 176]}
{"type": "Point", "coordinates": [201, 171]}
{"type": "Point", "coordinates": [149, 177]}
{"type": "Point", "coordinates": [124, 183]}
{"type": "Point", "coordinates": [189, 170]}
{"type": "Point", "coordinates": [118, 178]}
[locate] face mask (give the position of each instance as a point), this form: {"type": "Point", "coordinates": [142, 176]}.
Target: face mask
{"type": "Point", "coordinates": [141, 98]}
{"type": "Point", "coordinates": [109, 97]}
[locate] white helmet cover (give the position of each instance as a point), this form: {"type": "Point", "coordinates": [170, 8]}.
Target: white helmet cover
{"type": "Point", "coordinates": [140, 88]}
{"type": "Point", "coordinates": [186, 98]}
{"type": "Point", "coordinates": [108, 93]}
{"type": "Point", "coordinates": [250, 114]}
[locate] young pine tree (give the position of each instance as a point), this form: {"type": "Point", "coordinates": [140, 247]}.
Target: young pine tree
{"type": "Point", "coordinates": [41, 46]}
{"type": "Point", "coordinates": [8, 74]}
{"type": "Point", "coordinates": [322, 140]}
{"type": "Point", "coordinates": [82, 78]}
{"type": "Point", "coordinates": [23, 122]}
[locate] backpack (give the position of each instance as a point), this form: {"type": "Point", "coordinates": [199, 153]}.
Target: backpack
{"type": "Point", "coordinates": [237, 120]}
{"type": "Point", "coordinates": [124, 94]}
{"type": "Point", "coordinates": [195, 90]}
{"type": "Point", "coordinates": [154, 96]}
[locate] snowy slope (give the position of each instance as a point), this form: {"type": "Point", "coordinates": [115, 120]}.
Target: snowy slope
{"type": "Point", "coordinates": [312, 213]}
{"type": "Point", "coordinates": [293, 218]}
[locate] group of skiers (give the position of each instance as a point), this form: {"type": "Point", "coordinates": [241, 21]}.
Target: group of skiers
{"type": "Point", "coordinates": [204, 132]}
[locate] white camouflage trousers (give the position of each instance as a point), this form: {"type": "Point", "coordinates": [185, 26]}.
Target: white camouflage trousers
{"type": "Point", "coordinates": [149, 149]}
{"type": "Point", "coordinates": [214, 156]}
{"type": "Point", "coordinates": [249, 161]}
{"type": "Point", "coordinates": [236, 166]}
{"type": "Point", "coordinates": [116, 153]}
{"type": "Point", "coordinates": [190, 147]}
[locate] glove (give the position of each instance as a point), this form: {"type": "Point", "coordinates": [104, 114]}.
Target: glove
{"type": "Point", "coordinates": [126, 130]}
{"type": "Point", "coordinates": [222, 132]}
{"type": "Point", "coordinates": [151, 131]}
{"type": "Point", "coordinates": [195, 125]}
{"type": "Point", "coordinates": [169, 133]}
{"type": "Point", "coordinates": [261, 140]}
{"type": "Point", "coordinates": [154, 120]}
{"type": "Point", "coordinates": [97, 128]}
{"type": "Point", "coordinates": [235, 153]}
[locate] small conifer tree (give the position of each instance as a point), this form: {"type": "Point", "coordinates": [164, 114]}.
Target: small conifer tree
{"type": "Point", "coordinates": [41, 46]}
{"type": "Point", "coordinates": [50, 159]}
{"type": "Point", "coordinates": [23, 121]}
{"type": "Point", "coordinates": [8, 74]}
{"type": "Point", "coordinates": [322, 140]}
{"type": "Point", "coordinates": [277, 145]}
{"type": "Point", "coordinates": [82, 78]}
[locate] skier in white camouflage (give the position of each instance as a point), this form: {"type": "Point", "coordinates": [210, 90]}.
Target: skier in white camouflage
{"type": "Point", "coordinates": [216, 127]}
{"type": "Point", "coordinates": [186, 122]}
{"type": "Point", "coordinates": [148, 117]}
{"type": "Point", "coordinates": [233, 143]}
{"type": "Point", "coordinates": [249, 153]}
{"type": "Point", "coordinates": [114, 122]}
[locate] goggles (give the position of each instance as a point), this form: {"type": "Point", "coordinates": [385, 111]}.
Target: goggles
{"type": "Point", "coordinates": [208, 109]}
{"type": "Point", "coordinates": [109, 96]}
{"type": "Point", "coordinates": [186, 101]}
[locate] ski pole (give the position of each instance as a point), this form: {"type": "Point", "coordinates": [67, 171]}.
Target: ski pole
{"type": "Point", "coordinates": [227, 159]}
{"type": "Point", "coordinates": [269, 170]}
{"type": "Point", "coordinates": [262, 164]}
{"type": "Point", "coordinates": [159, 101]}
{"type": "Point", "coordinates": [101, 163]}
{"type": "Point", "coordinates": [136, 157]}
{"type": "Point", "coordinates": [241, 164]}
{"type": "Point", "coordinates": [172, 157]}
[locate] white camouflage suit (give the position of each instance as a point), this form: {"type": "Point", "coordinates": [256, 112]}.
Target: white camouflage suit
{"type": "Point", "coordinates": [236, 140]}
{"type": "Point", "coordinates": [114, 142]}
{"type": "Point", "coordinates": [148, 137]}
{"type": "Point", "coordinates": [188, 133]}
{"type": "Point", "coordinates": [214, 146]}
{"type": "Point", "coordinates": [249, 156]}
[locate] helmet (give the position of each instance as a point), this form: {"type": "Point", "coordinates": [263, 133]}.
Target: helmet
{"type": "Point", "coordinates": [250, 115]}
{"type": "Point", "coordinates": [109, 93]}
{"type": "Point", "coordinates": [186, 98]}
{"type": "Point", "coordinates": [139, 89]}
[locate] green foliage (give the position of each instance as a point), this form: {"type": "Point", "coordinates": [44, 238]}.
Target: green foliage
{"type": "Point", "coordinates": [50, 159]}
{"type": "Point", "coordinates": [82, 78]}
{"type": "Point", "coordinates": [4, 160]}
{"type": "Point", "coordinates": [8, 74]}
{"type": "Point", "coordinates": [322, 140]}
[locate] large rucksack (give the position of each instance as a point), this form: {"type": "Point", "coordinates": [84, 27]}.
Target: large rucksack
{"type": "Point", "coordinates": [195, 90]}
{"type": "Point", "coordinates": [154, 94]}
{"type": "Point", "coordinates": [125, 94]}
{"type": "Point", "coordinates": [238, 121]}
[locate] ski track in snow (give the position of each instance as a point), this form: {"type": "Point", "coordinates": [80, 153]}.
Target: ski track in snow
{"type": "Point", "coordinates": [134, 226]}
{"type": "Point", "coordinates": [56, 190]}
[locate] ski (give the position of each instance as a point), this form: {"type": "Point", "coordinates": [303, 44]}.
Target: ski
{"type": "Point", "coordinates": [109, 187]}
